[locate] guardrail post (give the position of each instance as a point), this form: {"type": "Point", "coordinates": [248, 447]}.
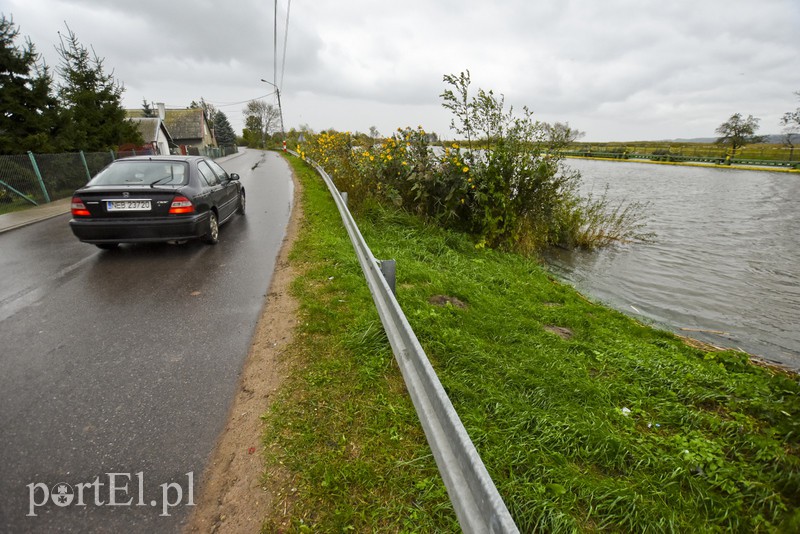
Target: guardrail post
{"type": "Point", "coordinates": [86, 166]}
{"type": "Point", "coordinates": [389, 271]}
{"type": "Point", "coordinates": [38, 176]}
{"type": "Point", "coordinates": [112, 155]}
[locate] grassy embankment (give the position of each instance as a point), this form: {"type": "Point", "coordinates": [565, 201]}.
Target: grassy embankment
{"type": "Point", "coordinates": [16, 205]}
{"type": "Point", "coordinates": [617, 428]}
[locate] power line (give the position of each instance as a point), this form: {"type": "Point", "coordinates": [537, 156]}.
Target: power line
{"type": "Point", "coordinates": [285, 40]}
{"type": "Point", "coordinates": [275, 44]}
{"type": "Point", "coordinates": [228, 104]}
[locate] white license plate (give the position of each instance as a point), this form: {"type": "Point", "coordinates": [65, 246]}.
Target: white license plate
{"type": "Point", "coordinates": [127, 205]}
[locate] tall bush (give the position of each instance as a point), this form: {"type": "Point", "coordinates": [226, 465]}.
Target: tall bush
{"type": "Point", "coordinates": [508, 186]}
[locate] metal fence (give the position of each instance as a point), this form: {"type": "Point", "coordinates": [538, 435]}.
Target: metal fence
{"type": "Point", "coordinates": [477, 503]}
{"type": "Point", "coordinates": [33, 179]}
{"type": "Point", "coordinates": [215, 152]}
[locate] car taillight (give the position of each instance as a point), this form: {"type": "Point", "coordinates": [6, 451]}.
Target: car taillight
{"type": "Point", "coordinates": [181, 204]}
{"type": "Point", "coordinates": [78, 208]}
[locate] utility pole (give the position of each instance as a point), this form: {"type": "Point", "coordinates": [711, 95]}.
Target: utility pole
{"type": "Point", "coordinates": [280, 108]}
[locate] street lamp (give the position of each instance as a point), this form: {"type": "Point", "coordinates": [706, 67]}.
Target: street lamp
{"type": "Point", "coordinates": [280, 109]}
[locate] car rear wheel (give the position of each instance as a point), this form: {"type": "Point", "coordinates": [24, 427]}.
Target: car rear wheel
{"type": "Point", "coordinates": [242, 203]}
{"type": "Point", "coordinates": [212, 235]}
{"type": "Point", "coordinates": [107, 246]}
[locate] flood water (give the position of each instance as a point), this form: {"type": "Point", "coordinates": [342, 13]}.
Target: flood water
{"type": "Point", "coordinates": [724, 266]}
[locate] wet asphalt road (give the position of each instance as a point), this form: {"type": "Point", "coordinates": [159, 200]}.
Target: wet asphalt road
{"type": "Point", "coordinates": [126, 362]}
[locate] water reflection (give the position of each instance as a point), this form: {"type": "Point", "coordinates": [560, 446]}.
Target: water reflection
{"type": "Point", "coordinates": [725, 257]}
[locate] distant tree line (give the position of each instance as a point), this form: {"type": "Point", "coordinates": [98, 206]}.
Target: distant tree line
{"type": "Point", "coordinates": [79, 109]}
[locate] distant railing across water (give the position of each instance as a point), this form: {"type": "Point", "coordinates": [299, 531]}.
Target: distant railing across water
{"type": "Point", "coordinates": [759, 155]}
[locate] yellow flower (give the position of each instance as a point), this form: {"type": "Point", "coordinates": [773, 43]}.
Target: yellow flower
{"type": "Point", "coordinates": [465, 169]}
{"type": "Point", "coordinates": [405, 163]}
{"type": "Point", "coordinates": [455, 145]}
{"type": "Point", "coordinates": [371, 157]}
{"type": "Point", "coordinates": [389, 157]}
{"type": "Point", "coordinates": [462, 200]}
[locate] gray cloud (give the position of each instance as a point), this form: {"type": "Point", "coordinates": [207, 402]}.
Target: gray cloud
{"type": "Point", "coordinates": [619, 69]}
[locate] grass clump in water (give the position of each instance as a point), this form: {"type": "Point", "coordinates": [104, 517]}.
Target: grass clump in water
{"type": "Point", "coordinates": [586, 420]}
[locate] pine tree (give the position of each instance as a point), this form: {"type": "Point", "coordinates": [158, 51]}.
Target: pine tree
{"type": "Point", "coordinates": [147, 109]}
{"type": "Point", "coordinates": [223, 130]}
{"type": "Point", "coordinates": [28, 111]}
{"type": "Point", "coordinates": [91, 100]}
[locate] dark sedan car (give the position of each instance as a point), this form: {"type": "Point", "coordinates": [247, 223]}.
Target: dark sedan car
{"type": "Point", "coordinates": [156, 198]}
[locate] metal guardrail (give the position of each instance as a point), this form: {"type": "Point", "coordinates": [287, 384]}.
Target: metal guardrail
{"type": "Point", "coordinates": [477, 503]}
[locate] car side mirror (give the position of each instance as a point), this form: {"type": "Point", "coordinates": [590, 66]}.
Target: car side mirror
{"type": "Point", "coordinates": [233, 176]}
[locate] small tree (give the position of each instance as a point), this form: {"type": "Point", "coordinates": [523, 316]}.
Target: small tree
{"type": "Point", "coordinates": [91, 100]}
{"type": "Point", "coordinates": [251, 138]}
{"type": "Point", "coordinates": [512, 193]}
{"type": "Point", "coordinates": [147, 109]}
{"type": "Point", "coordinates": [791, 128]}
{"type": "Point", "coordinates": [374, 133]}
{"type": "Point", "coordinates": [223, 130]}
{"type": "Point", "coordinates": [738, 132]}
{"type": "Point", "coordinates": [261, 118]}
{"type": "Point", "coordinates": [29, 113]}
{"type": "Point", "coordinates": [560, 134]}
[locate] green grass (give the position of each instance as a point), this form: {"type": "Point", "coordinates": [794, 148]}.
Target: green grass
{"type": "Point", "coordinates": [14, 205]}
{"type": "Point", "coordinates": [619, 428]}
{"type": "Point", "coordinates": [343, 437]}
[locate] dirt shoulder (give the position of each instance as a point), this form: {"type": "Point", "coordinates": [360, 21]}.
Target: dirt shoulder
{"type": "Point", "coordinates": [233, 497]}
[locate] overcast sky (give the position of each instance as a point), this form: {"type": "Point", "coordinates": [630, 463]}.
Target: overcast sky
{"type": "Point", "coordinates": [620, 70]}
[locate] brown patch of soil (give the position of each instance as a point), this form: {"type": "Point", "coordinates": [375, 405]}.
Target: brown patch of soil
{"type": "Point", "coordinates": [443, 300]}
{"type": "Point", "coordinates": [561, 331]}
{"type": "Point", "coordinates": [233, 496]}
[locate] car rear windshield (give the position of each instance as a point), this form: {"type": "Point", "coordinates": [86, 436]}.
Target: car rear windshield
{"type": "Point", "coordinates": [149, 172]}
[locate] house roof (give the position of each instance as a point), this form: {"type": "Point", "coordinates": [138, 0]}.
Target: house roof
{"type": "Point", "coordinates": [185, 123]}
{"type": "Point", "coordinates": [148, 127]}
